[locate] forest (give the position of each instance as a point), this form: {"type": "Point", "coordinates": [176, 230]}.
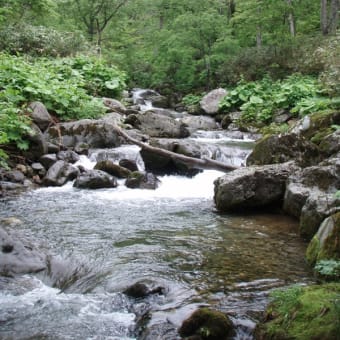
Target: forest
{"type": "Point", "coordinates": [180, 48]}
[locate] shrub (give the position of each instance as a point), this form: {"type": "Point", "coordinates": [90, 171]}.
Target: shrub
{"type": "Point", "coordinates": [41, 41]}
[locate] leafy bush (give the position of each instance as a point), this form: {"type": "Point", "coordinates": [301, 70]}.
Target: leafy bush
{"type": "Point", "coordinates": [41, 41]}
{"type": "Point", "coordinates": [330, 269]}
{"type": "Point", "coordinates": [66, 86]}
{"type": "Point", "coordinates": [259, 101]}
{"type": "Point", "coordinates": [191, 99]}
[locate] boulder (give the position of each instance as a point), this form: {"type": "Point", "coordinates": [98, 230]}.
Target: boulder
{"type": "Point", "coordinates": [310, 195]}
{"type": "Point", "coordinates": [325, 244]}
{"type": "Point", "coordinates": [40, 115]}
{"type": "Point", "coordinates": [141, 180]}
{"type": "Point", "coordinates": [94, 133]}
{"type": "Point", "coordinates": [330, 144]}
{"type": "Point", "coordinates": [207, 324]}
{"type": "Point", "coordinates": [95, 179]}
{"type": "Point", "coordinates": [68, 156]}
{"type": "Point", "coordinates": [195, 123]}
{"type": "Point", "coordinates": [210, 102]}
{"type": "Point", "coordinates": [272, 149]}
{"type": "Point", "coordinates": [252, 187]}
{"type": "Point", "coordinates": [128, 164]}
{"type": "Point", "coordinates": [114, 105]}
{"type": "Point", "coordinates": [59, 173]}
{"type": "Point", "coordinates": [112, 169]}
{"type": "Point", "coordinates": [156, 125]}
{"type": "Point", "coordinates": [159, 101]}
{"type": "Point", "coordinates": [48, 160]}
{"type": "Point", "coordinates": [19, 256]}
{"type": "Point", "coordinates": [37, 144]}
{"type": "Point", "coordinates": [318, 206]}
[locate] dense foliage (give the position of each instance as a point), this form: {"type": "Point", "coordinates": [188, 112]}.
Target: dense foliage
{"type": "Point", "coordinates": [68, 87]}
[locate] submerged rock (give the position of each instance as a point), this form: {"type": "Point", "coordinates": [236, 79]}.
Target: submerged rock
{"type": "Point", "coordinates": [252, 187]}
{"type": "Point", "coordinates": [207, 324]}
{"type": "Point", "coordinates": [19, 256]}
{"type": "Point", "coordinates": [141, 180]}
{"type": "Point", "coordinates": [141, 290]}
{"type": "Point", "coordinates": [112, 169]}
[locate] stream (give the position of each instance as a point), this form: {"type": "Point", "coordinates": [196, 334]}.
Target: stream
{"type": "Point", "coordinates": [108, 239]}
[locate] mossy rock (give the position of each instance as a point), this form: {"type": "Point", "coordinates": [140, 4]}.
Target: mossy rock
{"type": "Point", "coordinates": [273, 149]}
{"type": "Point", "coordinates": [320, 125]}
{"type": "Point", "coordinates": [325, 245]}
{"type": "Point", "coordinates": [304, 313]}
{"type": "Point", "coordinates": [207, 324]}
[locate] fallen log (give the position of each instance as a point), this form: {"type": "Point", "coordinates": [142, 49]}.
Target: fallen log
{"type": "Point", "coordinates": [191, 162]}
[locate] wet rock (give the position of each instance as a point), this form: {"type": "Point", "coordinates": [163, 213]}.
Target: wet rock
{"type": "Point", "coordinates": [159, 101]}
{"type": "Point", "coordinates": [210, 102]}
{"type": "Point", "coordinates": [95, 179]}
{"type": "Point", "coordinates": [94, 133]}
{"type": "Point", "coordinates": [141, 290]}
{"type": "Point", "coordinates": [59, 173]}
{"type": "Point", "coordinates": [112, 169]}
{"type": "Point", "coordinates": [252, 187]}
{"type": "Point", "coordinates": [128, 164]}
{"type": "Point", "coordinates": [38, 168]}
{"type": "Point", "coordinates": [40, 115]}
{"type": "Point", "coordinates": [18, 256]}
{"type": "Point", "coordinates": [166, 112]}
{"type": "Point", "coordinates": [207, 324]}
{"type": "Point", "coordinates": [141, 180]}
{"type": "Point", "coordinates": [68, 156]}
{"type": "Point", "coordinates": [272, 149]}
{"type": "Point", "coordinates": [15, 176]}
{"type": "Point", "coordinates": [325, 245]}
{"type": "Point", "coordinates": [48, 160]}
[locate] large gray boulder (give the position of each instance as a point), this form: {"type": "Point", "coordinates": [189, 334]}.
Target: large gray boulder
{"type": "Point", "coordinates": [59, 173]}
{"type": "Point", "coordinates": [156, 125]}
{"type": "Point", "coordinates": [142, 180]}
{"type": "Point", "coordinates": [114, 105]}
{"type": "Point", "coordinates": [19, 256]}
{"type": "Point", "coordinates": [273, 149]}
{"type": "Point", "coordinates": [252, 187]}
{"type": "Point", "coordinates": [40, 115]}
{"type": "Point", "coordinates": [94, 133]}
{"type": "Point", "coordinates": [95, 179]}
{"type": "Point", "coordinates": [310, 195]}
{"type": "Point", "coordinates": [195, 123]}
{"type": "Point", "coordinates": [37, 144]}
{"type": "Point", "coordinates": [210, 102]}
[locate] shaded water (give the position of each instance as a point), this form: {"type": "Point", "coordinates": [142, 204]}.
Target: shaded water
{"type": "Point", "coordinates": [171, 237]}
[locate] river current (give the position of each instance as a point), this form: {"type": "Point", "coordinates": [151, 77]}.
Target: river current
{"type": "Point", "coordinates": [108, 239]}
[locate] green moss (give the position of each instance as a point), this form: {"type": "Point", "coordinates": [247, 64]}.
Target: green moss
{"type": "Point", "coordinates": [321, 125]}
{"type": "Point", "coordinates": [313, 315]}
{"type": "Point", "coordinates": [313, 251]}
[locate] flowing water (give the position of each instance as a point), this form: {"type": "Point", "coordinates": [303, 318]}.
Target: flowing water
{"type": "Point", "coordinates": [106, 240]}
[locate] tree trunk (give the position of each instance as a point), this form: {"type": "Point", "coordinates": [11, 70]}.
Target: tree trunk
{"type": "Point", "coordinates": [291, 19]}
{"type": "Point", "coordinates": [329, 16]}
{"type": "Point", "coordinates": [334, 16]}
{"type": "Point", "coordinates": [197, 163]}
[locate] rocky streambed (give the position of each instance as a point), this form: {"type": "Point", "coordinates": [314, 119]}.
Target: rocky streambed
{"type": "Point", "coordinates": [152, 221]}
